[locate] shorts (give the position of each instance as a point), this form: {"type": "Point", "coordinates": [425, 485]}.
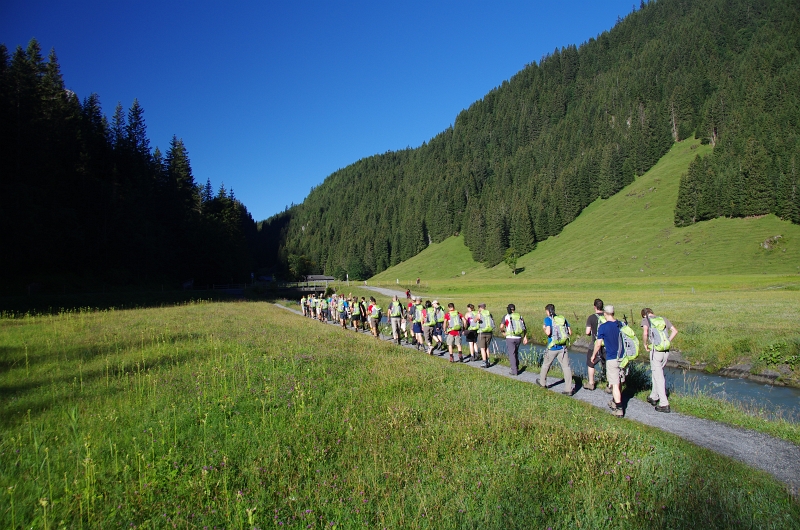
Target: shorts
{"type": "Point", "coordinates": [601, 357]}
{"type": "Point", "coordinates": [438, 330]}
{"type": "Point", "coordinates": [373, 322]}
{"type": "Point", "coordinates": [417, 327]}
{"type": "Point", "coordinates": [484, 339]}
{"type": "Point", "coordinates": [453, 340]}
{"type": "Point", "coordinates": [356, 318]}
{"type": "Point", "coordinates": [612, 372]}
{"type": "Point", "coordinates": [342, 315]}
{"type": "Point", "coordinates": [427, 332]}
{"type": "Point", "coordinates": [471, 335]}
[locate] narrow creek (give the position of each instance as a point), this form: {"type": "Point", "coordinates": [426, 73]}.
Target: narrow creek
{"type": "Point", "coordinates": [781, 401]}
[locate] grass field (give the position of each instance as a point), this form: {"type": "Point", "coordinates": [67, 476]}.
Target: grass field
{"type": "Point", "coordinates": [733, 300]}
{"type": "Point", "coordinates": [239, 415]}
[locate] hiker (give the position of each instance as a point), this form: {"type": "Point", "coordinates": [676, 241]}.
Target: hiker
{"type": "Point", "coordinates": [485, 329]}
{"type": "Point", "coordinates": [342, 306]}
{"type": "Point", "coordinates": [419, 315]}
{"type": "Point", "coordinates": [374, 317]}
{"type": "Point", "coordinates": [655, 335]}
{"type": "Point", "coordinates": [513, 326]}
{"type": "Point", "coordinates": [364, 323]}
{"type": "Point", "coordinates": [453, 324]}
{"type": "Point", "coordinates": [355, 314]}
{"type": "Point", "coordinates": [408, 294]}
{"type": "Point", "coordinates": [438, 328]}
{"type": "Point", "coordinates": [323, 309]}
{"type": "Point", "coordinates": [558, 332]}
{"type": "Point", "coordinates": [409, 321]}
{"type": "Point", "coordinates": [303, 306]}
{"type": "Point", "coordinates": [396, 318]}
{"type": "Point", "coordinates": [592, 323]}
{"type": "Point", "coordinates": [313, 305]}
{"type": "Point", "coordinates": [428, 323]}
{"type": "Point", "coordinates": [608, 335]}
{"type": "Point", "coordinates": [472, 332]}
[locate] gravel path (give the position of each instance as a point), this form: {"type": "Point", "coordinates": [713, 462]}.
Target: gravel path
{"type": "Point", "coordinates": [779, 458]}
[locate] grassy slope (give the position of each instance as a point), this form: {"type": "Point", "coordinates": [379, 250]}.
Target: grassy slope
{"type": "Point", "coordinates": [710, 278]}
{"type": "Point", "coordinates": [242, 415]}
{"type": "Point", "coordinates": [631, 234]}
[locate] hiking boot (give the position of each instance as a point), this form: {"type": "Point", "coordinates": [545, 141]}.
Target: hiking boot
{"type": "Point", "coordinates": [451, 359]}
{"type": "Point", "coordinates": [589, 386]}
{"type": "Point", "coordinates": [618, 413]}
{"type": "Point", "coordinates": [607, 390]}
{"type": "Point", "coordinates": [486, 364]}
{"type": "Point", "coordinates": [461, 358]}
{"type": "Point", "coordinates": [567, 393]}
{"type": "Point", "coordinates": [652, 401]}
{"type": "Point", "coordinates": [665, 408]}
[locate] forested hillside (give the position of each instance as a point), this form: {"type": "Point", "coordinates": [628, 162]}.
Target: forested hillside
{"type": "Point", "coordinates": [87, 201]}
{"type": "Point", "coordinates": [521, 163]}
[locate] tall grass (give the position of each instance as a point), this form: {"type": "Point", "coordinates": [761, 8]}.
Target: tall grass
{"type": "Point", "coordinates": [240, 415]}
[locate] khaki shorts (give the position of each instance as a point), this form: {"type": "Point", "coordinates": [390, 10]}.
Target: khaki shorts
{"type": "Point", "coordinates": [453, 340]}
{"type": "Point", "coordinates": [484, 339]}
{"type": "Point", "coordinates": [612, 372]}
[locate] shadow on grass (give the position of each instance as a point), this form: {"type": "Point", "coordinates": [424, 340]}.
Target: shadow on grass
{"type": "Point", "coordinates": [49, 304]}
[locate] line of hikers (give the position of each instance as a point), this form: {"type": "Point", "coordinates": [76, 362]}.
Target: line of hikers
{"type": "Point", "coordinates": [428, 326]}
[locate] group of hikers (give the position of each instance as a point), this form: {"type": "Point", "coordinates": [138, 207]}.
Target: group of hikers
{"type": "Point", "coordinates": [428, 326]}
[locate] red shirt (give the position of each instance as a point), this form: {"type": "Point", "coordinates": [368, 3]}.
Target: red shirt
{"type": "Point", "coordinates": [447, 320]}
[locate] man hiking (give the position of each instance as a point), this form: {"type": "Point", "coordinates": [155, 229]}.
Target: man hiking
{"type": "Point", "coordinates": [513, 326]}
{"type": "Point", "coordinates": [396, 318]}
{"type": "Point", "coordinates": [419, 316]}
{"type": "Point", "coordinates": [592, 323]}
{"type": "Point", "coordinates": [608, 335]}
{"type": "Point", "coordinates": [657, 342]}
{"type": "Point", "coordinates": [558, 332]}
{"type": "Point", "coordinates": [428, 325]}
{"type": "Point", "coordinates": [471, 334]}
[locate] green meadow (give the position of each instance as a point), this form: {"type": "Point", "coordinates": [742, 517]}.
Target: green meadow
{"type": "Point", "coordinates": [729, 285]}
{"type": "Point", "coordinates": [242, 415]}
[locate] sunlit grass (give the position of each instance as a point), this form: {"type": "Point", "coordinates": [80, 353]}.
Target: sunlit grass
{"type": "Point", "coordinates": [242, 415]}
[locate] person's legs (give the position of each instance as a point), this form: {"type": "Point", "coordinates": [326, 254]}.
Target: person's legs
{"type": "Point", "coordinates": [512, 349]}
{"type": "Point", "coordinates": [549, 355]}
{"type": "Point", "coordinates": [563, 360]}
{"type": "Point", "coordinates": [614, 381]}
{"type": "Point", "coordinates": [657, 362]}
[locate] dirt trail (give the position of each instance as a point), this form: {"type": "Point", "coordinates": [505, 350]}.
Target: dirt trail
{"type": "Point", "coordinates": [779, 458]}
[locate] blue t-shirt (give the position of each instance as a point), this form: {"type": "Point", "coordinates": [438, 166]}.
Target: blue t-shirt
{"type": "Point", "coordinates": [548, 322]}
{"type": "Point", "coordinates": [609, 332]}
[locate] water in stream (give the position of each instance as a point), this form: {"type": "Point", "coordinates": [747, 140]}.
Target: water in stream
{"type": "Point", "coordinates": [785, 401]}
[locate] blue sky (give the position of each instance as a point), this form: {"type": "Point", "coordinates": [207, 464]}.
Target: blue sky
{"type": "Point", "coordinates": [270, 98]}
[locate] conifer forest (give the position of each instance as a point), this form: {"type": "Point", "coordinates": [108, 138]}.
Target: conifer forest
{"type": "Point", "coordinates": [88, 195]}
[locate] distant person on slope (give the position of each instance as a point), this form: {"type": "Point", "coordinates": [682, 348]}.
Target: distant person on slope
{"type": "Point", "coordinates": [592, 323]}
{"type": "Point", "coordinates": [657, 342]}
{"type": "Point", "coordinates": [515, 331]}
{"type": "Point", "coordinates": [558, 332]}
{"type": "Point", "coordinates": [608, 335]}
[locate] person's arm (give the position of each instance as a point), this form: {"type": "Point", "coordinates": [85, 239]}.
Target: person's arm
{"type": "Point", "coordinates": [645, 336]}
{"type": "Point", "coordinates": [597, 345]}
{"type": "Point", "coordinates": [672, 332]}
{"type": "Point", "coordinates": [503, 325]}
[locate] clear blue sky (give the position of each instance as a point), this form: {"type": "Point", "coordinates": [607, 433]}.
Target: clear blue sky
{"type": "Point", "coordinates": [271, 97]}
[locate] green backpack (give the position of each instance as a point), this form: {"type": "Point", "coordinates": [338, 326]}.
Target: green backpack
{"type": "Point", "coordinates": [558, 331]}
{"type": "Point", "coordinates": [628, 345]}
{"type": "Point", "coordinates": [658, 333]}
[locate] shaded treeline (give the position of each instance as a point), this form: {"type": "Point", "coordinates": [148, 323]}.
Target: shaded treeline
{"type": "Point", "coordinates": [87, 201]}
{"type": "Point", "coordinates": [521, 163]}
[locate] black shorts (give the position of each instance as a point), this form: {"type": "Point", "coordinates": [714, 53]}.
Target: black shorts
{"type": "Point", "coordinates": [471, 335]}
{"type": "Point", "coordinates": [356, 318]}
{"type": "Point", "coordinates": [601, 357]}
